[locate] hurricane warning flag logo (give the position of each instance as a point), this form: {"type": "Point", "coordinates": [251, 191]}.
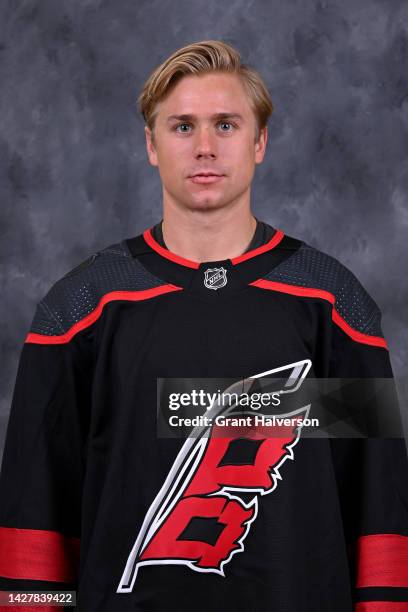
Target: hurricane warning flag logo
{"type": "Point", "coordinates": [198, 518]}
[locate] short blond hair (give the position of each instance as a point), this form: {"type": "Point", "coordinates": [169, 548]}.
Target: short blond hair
{"type": "Point", "coordinates": [201, 58]}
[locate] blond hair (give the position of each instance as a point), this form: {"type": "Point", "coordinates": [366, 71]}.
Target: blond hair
{"type": "Point", "coordinates": [201, 58]}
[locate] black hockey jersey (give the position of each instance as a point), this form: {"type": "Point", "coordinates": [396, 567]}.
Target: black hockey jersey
{"type": "Point", "coordinates": [93, 499]}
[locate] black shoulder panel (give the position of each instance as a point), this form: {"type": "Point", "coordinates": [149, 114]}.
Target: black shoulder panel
{"type": "Point", "coordinates": [311, 268]}
{"type": "Point", "coordinates": [78, 293]}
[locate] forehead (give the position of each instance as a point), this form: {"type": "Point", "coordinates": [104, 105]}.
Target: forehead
{"type": "Point", "coordinates": [205, 95]}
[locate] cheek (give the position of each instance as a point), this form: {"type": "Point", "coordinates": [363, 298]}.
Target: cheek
{"type": "Point", "coordinates": [169, 162]}
{"type": "Point", "coordinates": [176, 157]}
{"type": "Point", "coordinates": [238, 152]}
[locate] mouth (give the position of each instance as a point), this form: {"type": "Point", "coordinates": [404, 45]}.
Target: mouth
{"type": "Point", "coordinates": [206, 177]}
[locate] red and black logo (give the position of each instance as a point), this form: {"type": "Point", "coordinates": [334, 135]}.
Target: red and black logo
{"type": "Point", "coordinates": [200, 517]}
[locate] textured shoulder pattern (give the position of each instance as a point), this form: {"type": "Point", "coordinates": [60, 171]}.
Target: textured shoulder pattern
{"type": "Point", "coordinates": [311, 268]}
{"type": "Point", "coordinates": [78, 293]}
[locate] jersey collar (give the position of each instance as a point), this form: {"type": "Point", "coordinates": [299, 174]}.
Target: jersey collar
{"type": "Point", "coordinates": [189, 263]}
{"type": "Point", "coordinates": [211, 280]}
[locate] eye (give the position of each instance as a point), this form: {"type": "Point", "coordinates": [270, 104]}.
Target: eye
{"type": "Point", "coordinates": [185, 131]}
{"type": "Point", "coordinates": [181, 125]}
{"type": "Point", "coordinates": [226, 123]}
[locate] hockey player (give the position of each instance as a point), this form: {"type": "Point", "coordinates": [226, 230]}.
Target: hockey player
{"type": "Point", "coordinates": [93, 499]}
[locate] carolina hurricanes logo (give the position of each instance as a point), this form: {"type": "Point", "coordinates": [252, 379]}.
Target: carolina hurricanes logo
{"type": "Point", "coordinates": [195, 520]}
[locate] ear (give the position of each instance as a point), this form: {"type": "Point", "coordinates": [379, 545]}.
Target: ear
{"type": "Point", "coordinates": [150, 147]}
{"type": "Point", "coordinates": [260, 145]}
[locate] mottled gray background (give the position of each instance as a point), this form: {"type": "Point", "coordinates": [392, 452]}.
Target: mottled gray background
{"type": "Point", "coordinates": [74, 171]}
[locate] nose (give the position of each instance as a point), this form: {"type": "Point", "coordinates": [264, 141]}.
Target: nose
{"type": "Point", "coordinates": [205, 143]}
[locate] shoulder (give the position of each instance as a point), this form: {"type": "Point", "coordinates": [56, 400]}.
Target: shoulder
{"type": "Point", "coordinates": [318, 274]}
{"type": "Point", "coordinates": [77, 294]}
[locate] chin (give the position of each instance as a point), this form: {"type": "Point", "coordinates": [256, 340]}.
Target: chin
{"type": "Point", "coordinates": [206, 203]}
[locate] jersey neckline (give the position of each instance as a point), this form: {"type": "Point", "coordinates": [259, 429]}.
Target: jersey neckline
{"type": "Point", "coordinates": [277, 237]}
{"type": "Point", "coordinates": [211, 280]}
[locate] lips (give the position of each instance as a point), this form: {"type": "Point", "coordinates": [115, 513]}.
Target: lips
{"type": "Point", "coordinates": [206, 174]}
{"type": "Point", "coordinates": [205, 179]}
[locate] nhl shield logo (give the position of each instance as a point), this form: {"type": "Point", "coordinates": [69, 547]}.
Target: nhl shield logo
{"type": "Point", "coordinates": [215, 278]}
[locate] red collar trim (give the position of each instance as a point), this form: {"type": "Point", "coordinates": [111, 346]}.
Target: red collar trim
{"type": "Point", "coordinates": [273, 242]}
{"type": "Point", "coordinates": [147, 235]}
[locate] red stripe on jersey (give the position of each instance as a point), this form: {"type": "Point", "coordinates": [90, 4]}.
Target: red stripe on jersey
{"type": "Point", "coordinates": [382, 606]}
{"type": "Point", "coordinates": [382, 560]}
{"type": "Point", "coordinates": [324, 295]}
{"type": "Point", "coordinates": [147, 235]}
{"type": "Point", "coordinates": [132, 296]}
{"type": "Point", "coordinates": [35, 554]}
{"type": "Point", "coordinates": [356, 335]}
{"type": "Point", "coordinates": [35, 608]}
{"type": "Point", "coordinates": [5, 599]}
{"type": "Point", "coordinates": [271, 244]}
{"type": "Point", "coordinates": [294, 289]}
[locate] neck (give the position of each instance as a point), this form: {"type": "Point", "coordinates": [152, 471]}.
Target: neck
{"type": "Point", "coordinates": [208, 235]}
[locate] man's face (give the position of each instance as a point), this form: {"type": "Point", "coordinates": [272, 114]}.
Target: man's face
{"type": "Point", "coordinates": [206, 125]}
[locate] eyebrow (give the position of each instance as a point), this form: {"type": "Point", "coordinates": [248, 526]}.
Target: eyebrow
{"type": "Point", "coordinates": [187, 117]}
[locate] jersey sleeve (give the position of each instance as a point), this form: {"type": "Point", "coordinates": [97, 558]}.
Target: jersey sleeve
{"type": "Point", "coordinates": [371, 472]}
{"type": "Point", "coordinates": [44, 456]}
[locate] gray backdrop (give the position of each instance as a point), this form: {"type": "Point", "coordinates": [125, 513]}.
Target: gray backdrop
{"type": "Point", "coordinates": [74, 171]}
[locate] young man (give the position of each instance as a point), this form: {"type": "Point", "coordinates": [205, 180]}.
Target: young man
{"type": "Point", "coordinates": [94, 496]}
